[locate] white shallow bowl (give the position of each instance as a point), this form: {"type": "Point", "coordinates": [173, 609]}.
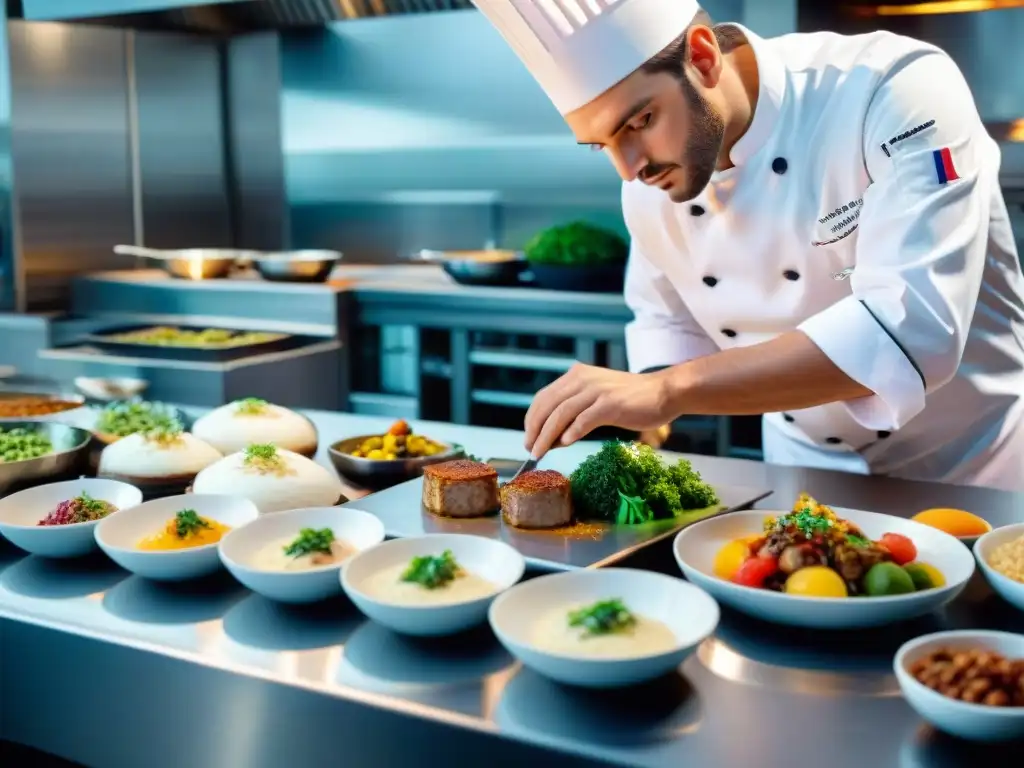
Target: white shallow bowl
{"type": "Point", "coordinates": [977, 722]}
{"type": "Point", "coordinates": [688, 611]}
{"type": "Point", "coordinates": [119, 535]}
{"type": "Point", "coordinates": [492, 560]}
{"type": "Point", "coordinates": [695, 549]}
{"type": "Point", "coordinates": [240, 548]}
{"type": "Point", "coordinates": [1011, 591]}
{"type": "Point", "coordinates": [21, 512]}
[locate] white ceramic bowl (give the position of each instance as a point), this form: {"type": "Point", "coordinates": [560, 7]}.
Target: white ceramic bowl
{"type": "Point", "coordinates": [21, 512]}
{"type": "Point", "coordinates": [977, 722]}
{"type": "Point", "coordinates": [695, 549]}
{"type": "Point", "coordinates": [492, 560]}
{"type": "Point", "coordinates": [1011, 591]}
{"type": "Point", "coordinates": [119, 535]}
{"type": "Point", "coordinates": [241, 547]}
{"type": "Point", "coordinates": [689, 612]}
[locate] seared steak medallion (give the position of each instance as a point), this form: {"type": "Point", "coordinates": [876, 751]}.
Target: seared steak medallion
{"type": "Point", "coordinates": [460, 488]}
{"type": "Point", "coordinates": [537, 499]}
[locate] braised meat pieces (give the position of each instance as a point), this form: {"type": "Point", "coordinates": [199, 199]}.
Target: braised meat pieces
{"type": "Point", "coordinates": [538, 499]}
{"type": "Point", "coordinates": [460, 488]}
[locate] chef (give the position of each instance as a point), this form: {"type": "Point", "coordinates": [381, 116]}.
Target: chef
{"type": "Point", "coordinates": [818, 235]}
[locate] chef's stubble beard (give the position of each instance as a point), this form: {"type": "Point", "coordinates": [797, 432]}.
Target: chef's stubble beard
{"type": "Point", "coordinates": [703, 145]}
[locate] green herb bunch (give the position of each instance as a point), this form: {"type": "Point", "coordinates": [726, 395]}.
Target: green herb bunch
{"type": "Point", "coordinates": [603, 617]}
{"type": "Point", "coordinates": [629, 483]}
{"type": "Point", "coordinates": [187, 522]}
{"type": "Point", "coordinates": [311, 541]}
{"type": "Point", "coordinates": [578, 244]}
{"type": "Point", "coordinates": [432, 572]}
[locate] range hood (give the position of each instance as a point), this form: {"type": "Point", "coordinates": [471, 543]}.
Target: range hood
{"type": "Point", "coordinates": [225, 16]}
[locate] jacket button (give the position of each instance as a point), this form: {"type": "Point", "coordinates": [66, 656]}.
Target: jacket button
{"type": "Point", "coordinates": [729, 332]}
{"type": "Point", "coordinates": [833, 440]}
{"type": "Point", "coordinates": [787, 418]}
{"type": "Point", "coordinates": [696, 210]}
{"type": "Point", "coordinates": [710, 281]}
{"type": "Point", "coordinates": [883, 433]}
{"type": "Point", "coordinates": [779, 165]}
{"type": "Point", "coordinates": [791, 274]}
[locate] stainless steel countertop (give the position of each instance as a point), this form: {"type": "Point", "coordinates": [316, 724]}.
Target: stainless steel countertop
{"type": "Point", "coordinates": [253, 677]}
{"type": "Point", "coordinates": [409, 279]}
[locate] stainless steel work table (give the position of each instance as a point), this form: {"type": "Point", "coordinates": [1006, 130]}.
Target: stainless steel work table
{"type": "Point", "coordinates": [109, 670]}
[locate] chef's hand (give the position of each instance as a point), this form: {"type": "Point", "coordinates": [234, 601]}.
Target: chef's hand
{"type": "Point", "coordinates": [588, 397]}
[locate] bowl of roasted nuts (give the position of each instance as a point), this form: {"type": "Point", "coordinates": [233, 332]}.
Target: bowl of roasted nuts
{"type": "Point", "coordinates": [966, 683]}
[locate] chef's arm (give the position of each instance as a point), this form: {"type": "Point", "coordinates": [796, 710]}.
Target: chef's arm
{"type": "Point", "coordinates": [921, 252]}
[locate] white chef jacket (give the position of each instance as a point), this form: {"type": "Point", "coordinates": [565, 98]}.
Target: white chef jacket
{"type": "Point", "coordinates": [866, 159]}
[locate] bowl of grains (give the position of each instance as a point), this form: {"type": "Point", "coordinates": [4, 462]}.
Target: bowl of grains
{"type": "Point", "coordinates": [1001, 557]}
{"type": "Point", "coordinates": [967, 683]}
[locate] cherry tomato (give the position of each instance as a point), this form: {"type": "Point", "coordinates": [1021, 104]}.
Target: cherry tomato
{"type": "Point", "coordinates": [755, 570]}
{"type": "Point", "coordinates": [900, 547]}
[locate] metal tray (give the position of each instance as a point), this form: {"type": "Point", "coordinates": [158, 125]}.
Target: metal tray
{"type": "Point", "coordinates": [401, 510]}
{"type": "Point", "coordinates": [103, 342]}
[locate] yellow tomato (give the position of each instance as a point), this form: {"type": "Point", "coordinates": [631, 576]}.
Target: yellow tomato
{"type": "Point", "coordinates": [955, 522]}
{"type": "Point", "coordinates": [730, 558]}
{"type": "Point", "coordinates": [816, 581]}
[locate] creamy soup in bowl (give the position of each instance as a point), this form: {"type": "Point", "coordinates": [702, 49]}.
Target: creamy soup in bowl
{"type": "Point", "coordinates": [603, 628]}
{"type": "Point", "coordinates": [295, 556]}
{"type": "Point", "coordinates": [431, 585]}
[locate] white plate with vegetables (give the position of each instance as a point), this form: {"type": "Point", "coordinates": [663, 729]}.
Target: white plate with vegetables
{"type": "Point", "coordinates": [59, 519]}
{"type": "Point", "coordinates": [296, 556]}
{"type": "Point", "coordinates": [431, 585]}
{"type": "Point", "coordinates": [660, 493]}
{"type": "Point", "coordinates": [813, 566]}
{"type": "Point", "coordinates": [604, 628]}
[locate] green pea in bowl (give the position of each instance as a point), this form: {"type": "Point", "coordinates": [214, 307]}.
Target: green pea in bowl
{"type": "Point", "coordinates": [36, 451]}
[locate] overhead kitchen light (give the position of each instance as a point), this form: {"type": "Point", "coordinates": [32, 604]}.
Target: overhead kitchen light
{"type": "Point", "coordinates": [934, 8]}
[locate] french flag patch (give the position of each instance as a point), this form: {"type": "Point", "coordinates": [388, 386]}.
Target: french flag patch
{"type": "Point", "coordinates": [944, 167]}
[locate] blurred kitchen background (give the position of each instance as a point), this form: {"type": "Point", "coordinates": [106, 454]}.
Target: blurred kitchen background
{"type": "Point", "coordinates": [378, 128]}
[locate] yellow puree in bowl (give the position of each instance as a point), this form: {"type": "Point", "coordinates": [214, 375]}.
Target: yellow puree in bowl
{"type": "Point", "coordinates": [184, 531]}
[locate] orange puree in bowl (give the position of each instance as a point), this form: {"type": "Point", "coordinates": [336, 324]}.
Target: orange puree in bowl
{"type": "Point", "coordinates": [955, 522]}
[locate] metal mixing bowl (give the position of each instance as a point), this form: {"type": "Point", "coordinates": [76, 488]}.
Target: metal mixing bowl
{"type": "Point", "coordinates": [191, 263]}
{"type": "Point", "coordinates": [311, 266]}
{"type": "Point", "coordinates": [484, 267]}
{"type": "Point", "coordinates": [376, 473]}
{"type": "Point", "coordinates": [68, 459]}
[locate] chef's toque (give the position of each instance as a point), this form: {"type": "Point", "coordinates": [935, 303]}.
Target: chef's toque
{"type": "Point", "coordinates": [578, 49]}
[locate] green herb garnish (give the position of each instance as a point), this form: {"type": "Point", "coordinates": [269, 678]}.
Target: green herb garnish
{"type": "Point", "coordinates": [310, 541]}
{"type": "Point", "coordinates": [805, 521]}
{"type": "Point", "coordinates": [165, 436]}
{"type": "Point", "coordinates": [653, 489]}
{"type": "Point", "coordinates": [857, 541]}
{"type": "Point", "coordinates": [633, 509]}
{"type": "Point", "coordinates": [432, 572]}
{"type": "Point", "coordinates": [90, 508]}
{"type": "Point", "coordinates": [251, 406]}
{"type": "Point", "coordinates": [263, 457]}
{"type": "Point", "coordinates": [603, 618]}
{"type": "Point", "coordinates": [187, 522]}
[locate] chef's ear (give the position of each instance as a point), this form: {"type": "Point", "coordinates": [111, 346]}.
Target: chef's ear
{"type": "Point", "coordinates": [705, 55]}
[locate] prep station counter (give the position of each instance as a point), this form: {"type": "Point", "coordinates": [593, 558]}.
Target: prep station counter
{"type": "Point", "coordinates": [109, 670]}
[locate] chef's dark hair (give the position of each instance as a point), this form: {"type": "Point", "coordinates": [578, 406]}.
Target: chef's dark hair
{"type": "Point", "coordinates": [672, 57]}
